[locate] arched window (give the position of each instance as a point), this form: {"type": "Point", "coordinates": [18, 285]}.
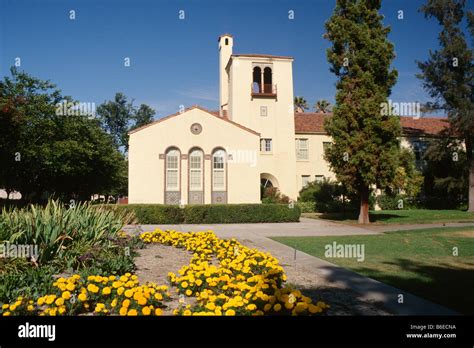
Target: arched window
{"type": "Point", "coordinates": [257, 80]}
{"type": "Point", "coordinates": [195, 170]}
{"type": "Point", "coordinates": [218, 170]}
{"type": "Point", "coordinates": [172, 170]}
{"type": "Point", "coordinates": [267, 80]}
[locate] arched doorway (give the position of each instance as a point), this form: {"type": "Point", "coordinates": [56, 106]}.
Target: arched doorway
{"type": "Point", "coordinates": [267, 181]}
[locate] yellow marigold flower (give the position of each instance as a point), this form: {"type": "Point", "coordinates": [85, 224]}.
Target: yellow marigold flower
{"type": "Point", "coordinates": [120, 290]}
{"type": "Point", "coordinates": [62, 310]}
{"type": "Point", "coordinates": [128, 293]}
{"type": "Point", "coordinates": [230, 312]}
{"type": "Point", "coordinates": [211, 306]}
{"type": "Point", "coordinates": [187, 312]}
{"type": "Point", "coordinates": [6, 305]}
{"type": "Point", "coordinates": [132, 313]}
{"type": "Point", "coordinates": [184, 285]}
{"type": "Point", "coordinates": [59, 302]}
{"type": "Point", "coordinates": [6, 314]}
{"type": "Point", "coordinates": [141, 301]}
{"type": "Point", "coordinates": [92, 288]}
{"type": "Point", "coordinates": [123, 311]}
{"type": "Point", "coordinates": [314, 309]}
{"type": "Point", "coordinates": [70, 287]}
{"type": "Point", "coordinates": [277, 307]}
{"type": "Point", "coordinates": [189, 292]}
{"type": "Point", "coordinates": [146, 310]}
{"type": "Point", "coordinates": [66, 295]}
{"type": "Point", "coordinates": [50, 299]}
{"type": "Point", "coordinates": [288, 305]}
{"type": "Point", "coordinates": [106, 291]}
{"type": "Point", "coordinates": [251, 307]}
{"type": "Point", "coordinates": [126, 303]}
{"type": "Point", "coordinates": [267, 307]}
{"type": "Point", "coordinates": [158, 311]}
{"type": "Point", "coordinates": [158, 296]}
{"type": "Point", "coordinates": [198, 282]}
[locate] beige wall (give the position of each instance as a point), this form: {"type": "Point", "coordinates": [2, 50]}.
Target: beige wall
{"type": "Point", "coordinates": [316, 164]}
{"type": "Point", "coordinates": [278, 125]}
{"type": "Point", "coordinates": [146, 169]}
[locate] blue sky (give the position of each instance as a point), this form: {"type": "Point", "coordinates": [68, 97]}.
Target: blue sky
{"type": "Point", "coordinates": [175, 62]}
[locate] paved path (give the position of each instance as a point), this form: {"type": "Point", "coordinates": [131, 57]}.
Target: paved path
{"type": "Point", "coordinates": [256, 235]}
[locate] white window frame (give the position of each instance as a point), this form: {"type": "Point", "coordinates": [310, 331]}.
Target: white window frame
{"type": "Point", "coordinates": [196, 172]}
{"type": "Point", "coordinates": [172, 170]}
{"type": "Point", "coordinates": [266, 145]}
{"type": "Point", "coordinates": [319, 178]}
{"type": "Point", "coordinates": [302, 152]}
{"type": "Point", "coordinates": [219, 171]}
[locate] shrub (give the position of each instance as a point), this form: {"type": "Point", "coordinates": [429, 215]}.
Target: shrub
{"type": "Point", "coordinates": [55, 227]}
{"type": "Point", "coordinates": [328, 197]}
{"type": "Point", "coordinates": [307, 207]}
{"type": "Point", "coordinates": [273, 195]}
{"type": "Point", "coordinates": [209, 213]}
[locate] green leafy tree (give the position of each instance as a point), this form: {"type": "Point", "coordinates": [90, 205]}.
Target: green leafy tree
{"type": "Point", "coordinates": [119, 116]}
{"type": "Point", "coordinates": [300, 104]}
{"type": "Point", "coordinates": [323, 106]}
{"type": "Point", "coordinates": [365, 149]}
{"type": "Point", "coordinates": [47, 153]}
{"type": "Point", "coordinates": [448, 74]}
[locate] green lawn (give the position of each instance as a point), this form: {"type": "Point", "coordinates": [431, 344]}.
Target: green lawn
{"type": "Point", "coordinates": [418, 261]}
{"type": "Point", "coordinates": [415, 216]}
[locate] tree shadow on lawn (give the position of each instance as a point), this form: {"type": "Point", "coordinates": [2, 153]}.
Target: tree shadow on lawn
{"type": "Point", "coordinates": [354, 216]}
{"type": "Point", "coordinates": [443, 284]}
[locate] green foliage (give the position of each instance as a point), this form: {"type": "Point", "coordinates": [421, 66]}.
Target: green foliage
{"type": "Point", "coordinates": [392, 201]}
{"type": "Point", "coordinates": [307, 207]}
{"type": "Point", "coordinates": [323, 106]}
{"type": "Point", "coordinates": [119, 116]}
{"type": "Point", "coordinates": [31, 281]}
{"type": "Point", "coordinates": [209, 213]}
{"type": "Point", "coordinates": [56, 228]}
{"type": "Point", "coordinates": [48, 152]}
{"type": "Point", "coordinates": [446, 180]}
{"type": "Point", "coordinates": [300, 104]}
{"type": "Point", "coordinates": [365, 140]}
{"type": "Point", "coordinates": [328, 197]}
{"type": "Point", "coordinates": [273, 195]}
{"type": "Point", "coordinates": [448, 74]}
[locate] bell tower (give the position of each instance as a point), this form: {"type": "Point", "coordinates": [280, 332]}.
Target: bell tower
{"type": "Point", "coordinates": [226, 42]}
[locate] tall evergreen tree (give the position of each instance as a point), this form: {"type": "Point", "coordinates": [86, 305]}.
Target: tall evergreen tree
{"type": "Point", "coordinates": [365, 150]}
{"type": "Point", "coordinates": [448, 74]}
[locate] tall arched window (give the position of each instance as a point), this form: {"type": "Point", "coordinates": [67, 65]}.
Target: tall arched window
{"type": "Point", "coordinates": [267, 80]}
{"type": "Point", "coordinates": [218, 170]}
{"type": "Point", "coordinates": [172, 170]}
{"type": "Point", "coordinates": [219, 176]}
{"type": "Point", "coordinates": [257, 80]}
{"type": "Point", "coordinates": [195, 170]}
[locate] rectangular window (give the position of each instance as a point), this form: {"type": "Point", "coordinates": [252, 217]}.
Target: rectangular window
{"type": "Point", "coordinates": [319, 178]}
{"type": "Point", "coordinates": [266, 145]}
{"type": "Point", "coordinates": [326, 144]}
{"type": "Point", "coordinates": [305, 179]}
{"type": "Point", "coordinates": [302, 149]}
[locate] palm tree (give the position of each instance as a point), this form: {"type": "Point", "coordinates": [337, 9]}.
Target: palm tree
{"type": "Point", "coordinates": [323, 106]}
{"type": "Point", "coordinates": [300, 104]}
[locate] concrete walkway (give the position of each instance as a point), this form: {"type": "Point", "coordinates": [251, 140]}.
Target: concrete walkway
{"type": "Point", "coordinates": [256, 236]}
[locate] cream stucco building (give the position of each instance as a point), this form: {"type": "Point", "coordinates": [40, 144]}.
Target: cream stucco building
{"type": "Point", "coordinates": [198, 156]}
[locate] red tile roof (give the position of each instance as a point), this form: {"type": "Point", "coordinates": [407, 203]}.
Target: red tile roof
{"type": "Point", "coordinates": [311, 122]}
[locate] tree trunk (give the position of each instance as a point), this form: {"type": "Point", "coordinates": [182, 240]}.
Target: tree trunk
{"type": "Point", "coordinates": [364, 206]}
{"type": "Point", "coordinates": [470, 163]}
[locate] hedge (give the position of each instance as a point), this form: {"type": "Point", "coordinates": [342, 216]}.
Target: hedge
{"type": "Point", "coordinates": [211, 213]}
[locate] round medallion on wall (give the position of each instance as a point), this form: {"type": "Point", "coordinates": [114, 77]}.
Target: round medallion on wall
{"type": "Point", "coordinates": [196, 128]}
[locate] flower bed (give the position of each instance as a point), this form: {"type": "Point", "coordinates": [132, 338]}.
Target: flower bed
{"type": "Point", "coordinates": [224, 276]}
